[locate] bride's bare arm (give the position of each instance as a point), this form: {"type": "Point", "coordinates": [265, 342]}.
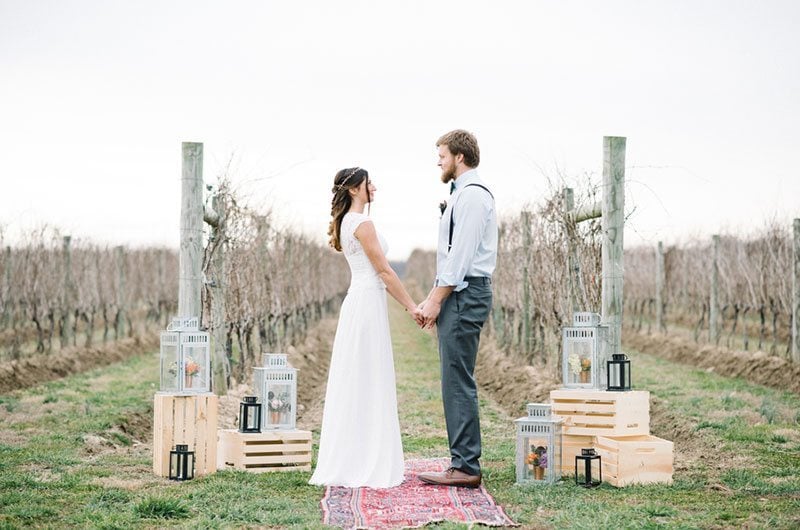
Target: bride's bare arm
{"type": "Point", "coordinates": [366, 235]}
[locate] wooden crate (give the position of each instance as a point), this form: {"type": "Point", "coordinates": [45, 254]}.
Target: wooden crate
{"type": "Point", "coordinates": [571, 445]}
{"type": "Point", "coordinates": [185, 419]}
{"type": "Point", "coordinates": [635, 459]}
{"type": "Point", "coordinates": [602, 413]}
{"type": "Point", "coordinates": [265, 451]}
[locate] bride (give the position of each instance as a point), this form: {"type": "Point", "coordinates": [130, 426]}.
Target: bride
{"type": "Point", "coordinates": [360, 439]}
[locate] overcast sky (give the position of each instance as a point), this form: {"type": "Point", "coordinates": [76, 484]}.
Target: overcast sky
{"type": "Point", "coordinates": [97, 96]}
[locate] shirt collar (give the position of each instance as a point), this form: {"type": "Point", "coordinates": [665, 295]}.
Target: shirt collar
{"type": "Point", "coordinates": [468, 177]}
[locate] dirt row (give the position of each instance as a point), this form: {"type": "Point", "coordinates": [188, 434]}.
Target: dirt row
{"type": "Point", "coordinates": [755, 367]}
{"type": "Point", "coordinates": [37, 369]}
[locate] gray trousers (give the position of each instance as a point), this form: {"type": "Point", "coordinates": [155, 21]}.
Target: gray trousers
{"type": "Point", "coordinates": [460, 321]}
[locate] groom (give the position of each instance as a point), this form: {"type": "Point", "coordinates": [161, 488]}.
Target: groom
{"type": "Point", "coordinates": [460, 301]}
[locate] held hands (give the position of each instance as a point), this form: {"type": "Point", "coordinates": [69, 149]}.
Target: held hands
{"type": "Point", "coordinates": [430, 312]}
{"type": "Point", "coordinates": [416, 314]}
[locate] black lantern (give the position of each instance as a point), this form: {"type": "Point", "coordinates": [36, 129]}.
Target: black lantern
{"type": "Point", "coordinates": [250, 414]}
{"type": "Point", "coordinates": [588, 456]}
{"type": "Point", "coordinates": [619, 372]}
{"type": "Point", "coordinates": [181, 463]}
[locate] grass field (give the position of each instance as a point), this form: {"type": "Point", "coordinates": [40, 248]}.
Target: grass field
{"type": "Point", "coordinates": [76, 453]}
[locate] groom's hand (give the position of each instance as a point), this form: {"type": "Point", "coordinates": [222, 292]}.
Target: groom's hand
{"type": "Point", "coordinates": [430, 313]}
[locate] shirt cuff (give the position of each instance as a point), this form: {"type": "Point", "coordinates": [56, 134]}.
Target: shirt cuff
{"type": "Point", "coordinates": [448, 280]}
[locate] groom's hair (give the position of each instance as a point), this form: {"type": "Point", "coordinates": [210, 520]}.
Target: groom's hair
{"type": "Point", "coordinates": [461, 142]}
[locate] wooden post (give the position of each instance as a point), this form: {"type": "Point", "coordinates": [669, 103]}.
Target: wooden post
{"type": "Point", "coordinates": [119, 327]}
{"type": "Point", "coordinates": [796, 294]}
{"type": "Point", "coordinates": [573, 265]}
{"type": "Point", "coordinates": [660, 326]}
{"type": "Point", "coordinates": [221, 368]}
{"type": "Point", "coordinates": [162, 266]}
{"type": "Point", "coordinates": [8, 308]}
{"type": "Point", "coordinates": [713, 316]}
{"type": "Point", "coordinates": [613, 225]}
{"type": "Point", "coordinates": [191, 259]}
{"type": "Point", "coordinates": [526, 284]}
{"type": "Point", "coordinates": [67, 300]}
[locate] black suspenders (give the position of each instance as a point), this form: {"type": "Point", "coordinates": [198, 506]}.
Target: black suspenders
{"type": "Point", "coordinates": [450, 236]}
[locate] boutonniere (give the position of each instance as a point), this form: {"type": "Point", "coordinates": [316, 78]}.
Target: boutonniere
{"type": "Point", "coordinates": [442, 206]}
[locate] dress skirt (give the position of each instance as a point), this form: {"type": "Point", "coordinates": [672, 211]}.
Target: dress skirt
{"type": "Point", "coordinates": [360, 441]}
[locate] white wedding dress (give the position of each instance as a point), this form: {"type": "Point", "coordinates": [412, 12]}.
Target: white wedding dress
{"type": "Point", "coordinates": [360, 440]}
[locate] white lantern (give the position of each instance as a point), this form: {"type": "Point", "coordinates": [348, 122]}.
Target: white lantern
{"type": "Point", "coordinates": [538, 446]}
{"type": "Point", "coordinates": [584, 355]}
{"type": "Point", "coordinates": [276, 387]}
{"type": "Point", "coordinates": [185, 358]}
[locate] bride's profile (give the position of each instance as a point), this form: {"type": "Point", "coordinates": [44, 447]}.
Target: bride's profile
{"type": "Point", "coordinates": [360, 441]}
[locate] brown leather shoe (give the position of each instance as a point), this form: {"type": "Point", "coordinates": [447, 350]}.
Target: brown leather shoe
{"type": "Point", "coordinates": [451, 477]}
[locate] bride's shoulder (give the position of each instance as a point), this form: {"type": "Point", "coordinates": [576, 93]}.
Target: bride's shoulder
{"type": "Point", "coordinates": [355, 218]}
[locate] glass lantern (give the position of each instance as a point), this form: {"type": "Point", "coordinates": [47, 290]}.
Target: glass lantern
{"type": "Point", "coordinates": [587, 470]}
{"type": "Point", "coordinates": [538, 446]}
{"type": "Point", "coordinates": [276, 387]}
{"type": "Point", "coordinates": [619, 373]}
{"type": "Point", "coordinates": [584, 356]}
{"type": "Point", "coordinates": [181, 463]}
{"type": "Point", "coordinates": [250, 414]}
{"type": "Point", "coordinates": [185, 358]}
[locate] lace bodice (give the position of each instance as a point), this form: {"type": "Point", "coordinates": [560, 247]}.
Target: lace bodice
{"type": "Point", "coordinates": [362, 272]}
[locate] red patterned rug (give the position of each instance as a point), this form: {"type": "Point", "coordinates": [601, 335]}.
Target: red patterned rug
{"type": "Point", "coordinates": [411, 504]}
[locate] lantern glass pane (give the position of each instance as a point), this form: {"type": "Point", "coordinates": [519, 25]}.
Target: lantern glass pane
{"type": "Point", "coordinates": [189, 470]}
{"type": "Point", "coordinates": [170, 363]}
{"type": "Point", "coordinates": [537, 458]}
{"type": "Point", "coordinates": [580, 357]}
{"type": "Point", "coordinates": [278, 404]}
{"type": "Point", "coordinates": [173, 465]}
{"type": "Point", "coordinates": [252, 420]}
{"type": "Point", "coordinates": [616, 371]}
{"type": "Point", "coordinates": [195, 351]}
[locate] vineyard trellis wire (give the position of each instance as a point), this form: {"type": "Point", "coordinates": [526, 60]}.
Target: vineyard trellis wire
{"type": "Point", "coordinates": [754, 289]}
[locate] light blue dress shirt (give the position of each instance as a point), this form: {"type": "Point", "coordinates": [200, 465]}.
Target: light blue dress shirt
{"type": "Point", "coordinates": [474, 250]}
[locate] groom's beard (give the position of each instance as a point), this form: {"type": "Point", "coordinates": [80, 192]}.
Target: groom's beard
{"type": "Point", "coordinates": [448, 175]}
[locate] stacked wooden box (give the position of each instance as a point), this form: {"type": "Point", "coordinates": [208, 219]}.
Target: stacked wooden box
{"type": "Point", "coordinates": [261, 452]}
{"type": "Point", "coordinates": [185, 419]}
{"type": "Point", "coordinates": [617, 426]}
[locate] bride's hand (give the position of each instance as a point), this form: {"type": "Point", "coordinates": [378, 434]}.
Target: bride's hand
{"type": "Point", "coordinates": [416, 314]}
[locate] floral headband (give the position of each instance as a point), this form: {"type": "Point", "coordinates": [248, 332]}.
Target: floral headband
{"type": "Point", "coordinates": [340, 187]}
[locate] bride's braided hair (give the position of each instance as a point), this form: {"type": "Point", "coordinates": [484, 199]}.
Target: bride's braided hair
{"type": "Point", "coordinates": [345, 180]}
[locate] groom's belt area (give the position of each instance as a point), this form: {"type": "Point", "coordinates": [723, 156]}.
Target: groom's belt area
{"type": "Point", "coordinates": [478, 280]}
